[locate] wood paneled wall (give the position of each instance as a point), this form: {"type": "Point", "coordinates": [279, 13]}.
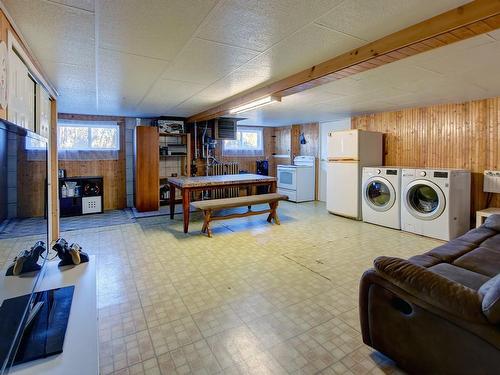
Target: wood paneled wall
{"type": "Point", "coordinates": [464, 135]}
{"type": "Point", "coordinates": [113, 171]}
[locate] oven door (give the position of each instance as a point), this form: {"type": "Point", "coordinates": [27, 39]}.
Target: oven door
{"type": "Point", "coordinates": [287, 178]}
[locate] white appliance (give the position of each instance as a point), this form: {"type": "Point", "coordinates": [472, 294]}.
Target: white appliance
{"type": "Point", "coordinates": [348, 152]}
{"type": "Point", "coordinates": [436, 202]}
{"type": "Point", "coordinates": [381, 196]}
{"type": "Point", "coordinates": [298, 180]}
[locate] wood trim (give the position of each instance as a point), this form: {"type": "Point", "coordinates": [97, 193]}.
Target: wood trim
{"type": "Point", "coordinates": [474, 18]}
{"type": "Point", "coordinates": [53, 183]}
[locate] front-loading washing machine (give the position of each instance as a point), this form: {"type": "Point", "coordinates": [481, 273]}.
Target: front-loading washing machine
{"type": "Point", "coordinates": [381, 196]}
{"type": "Point", "coordinates": [436, 202]}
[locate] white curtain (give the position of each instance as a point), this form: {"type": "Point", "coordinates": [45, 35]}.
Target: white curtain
{"type": "Point", "coordinates": [249, 142]}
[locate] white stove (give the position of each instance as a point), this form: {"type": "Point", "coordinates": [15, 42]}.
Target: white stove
{"type": "Point", "coordinates": [298, 179]}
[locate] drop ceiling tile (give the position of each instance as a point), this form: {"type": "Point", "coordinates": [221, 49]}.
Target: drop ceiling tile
{"type": "Point", "coordinates": [374, 19]}
{"type": "Point", "coordinates": [240, 80]}
{"type": "Point", "coordinates": [312, 45]}
{"type": "Point", "coordinates": [205, 62]}
{"type": "Point", "coordinates": [124, 79]}
{"type": "Point", "coordinates": [401, 75]}
{"type": "Point", "coordinates": [166, 94]}
{"type": "Point", "coordinates": [257, 25]}
{"type": "Point", "coordinates": [80, 4]}
{"type": "Point", "coordinates": [192, 105]}
{"type": "Point", "coordinates": [448, 60]}
{"type": "Point", "coordinates": [79, 101]}
{"type": "Point", "coordinates": [495, 34]}
{"type": "Point", "coordinates": [158, 28]}
{"type": "Point", "coordinates": [55, 33]}
{"type": "Point", "coordinates": [68, 77]}
{"type": "Point", "coordinates": [486, 77]}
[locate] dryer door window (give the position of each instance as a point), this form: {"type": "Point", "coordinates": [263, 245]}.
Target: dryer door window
{"type": "Point", "coordinates": [424, 200]}
{"type": "Point", "coordinates": [379, 194]}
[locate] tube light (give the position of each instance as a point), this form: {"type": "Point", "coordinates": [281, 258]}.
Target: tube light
{"type": "Point", "coordinates": [255, 104]}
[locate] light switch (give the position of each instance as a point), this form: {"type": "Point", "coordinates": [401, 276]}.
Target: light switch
{"type": "Point", "coordinates": [491, 183]}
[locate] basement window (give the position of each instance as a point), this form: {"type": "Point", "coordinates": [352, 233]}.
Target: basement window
{"type": "Point", "coordinates": [248, 142]}
{"type": "Point", "coordinates": [88, 140]}
{"type": "Point", "coordinates": [85, 136]}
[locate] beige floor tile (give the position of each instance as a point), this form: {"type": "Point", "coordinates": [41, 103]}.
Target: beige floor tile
{"type": "Point", "coordinates": [216, 320]}
{"type": "Point", "coordinates": [125, 352]}
{"type": "Point", "coordinates": [235, 346]}
{"type": "Point", "coordinates": [196, 358]}
{"type": "Point", "coordinates": [173, 335]}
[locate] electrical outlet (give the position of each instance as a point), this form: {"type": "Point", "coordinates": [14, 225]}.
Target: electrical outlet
{"type": "Point", "coordinates": [491, 183]}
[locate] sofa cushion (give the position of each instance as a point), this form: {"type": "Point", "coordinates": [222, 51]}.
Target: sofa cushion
{"type": "Point", "coordinates": [463, 276]}
{"type": "Point", "coordinates": [424, 260]}
{"type": "Point", "coordinates": [491, 299]}
{"type": "Point", "coordinates": [492, 222]}
{"type": "Point", "coordinates": [477, 235]}
{"type": "Point", "coordinates": [452, 250]}
{"type": "Point", "coordinates": [492, 242]}
{"type": "Point", "coordinates": [482, 260]}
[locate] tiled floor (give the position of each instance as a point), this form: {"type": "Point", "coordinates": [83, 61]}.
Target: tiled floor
{"type": "Point", "coordinates": [254, 299]}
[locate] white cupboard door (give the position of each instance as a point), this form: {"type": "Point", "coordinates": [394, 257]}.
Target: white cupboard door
{"type": "Point", "coordinates": [30, 103]}
{"type": "Point", "coordinates": [43, 113]}
{"type": "Point", "coordinates": [18, 91]}
{"type": "Point", "coordinates": [343, 190]}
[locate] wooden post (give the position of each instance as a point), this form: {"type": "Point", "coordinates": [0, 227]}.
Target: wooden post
{"type": "Point", "coordinates": [186, 194]}
{"type": "Point", "coordinates": [53, 176]}
{"type": "Point", "coordinates": [171, 193]}
{"type": "Point", "coordinates": [188, 156]}
{"type": "Point", "coordinates": [272, 187]}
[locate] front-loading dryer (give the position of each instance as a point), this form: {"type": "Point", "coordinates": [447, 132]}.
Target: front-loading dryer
{"type": "Point", "coordinates": [436, 202]}
{"type": "Point", "coordinates": [381, 196]}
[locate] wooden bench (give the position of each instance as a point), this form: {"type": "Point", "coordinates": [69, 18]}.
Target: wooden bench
{"type": "Point", "coordinates": [211, 205]}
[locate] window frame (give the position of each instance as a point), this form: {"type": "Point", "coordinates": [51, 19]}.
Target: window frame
{"type": "Point", "coordinates": [245, 151]}
{"type": "Point", "coordinates": [89, 125]}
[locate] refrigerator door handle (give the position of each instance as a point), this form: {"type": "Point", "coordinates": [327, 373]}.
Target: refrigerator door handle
{"type": "Point", "coordinates": [342, 160]}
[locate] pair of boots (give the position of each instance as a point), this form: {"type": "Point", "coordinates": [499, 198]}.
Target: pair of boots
{"type": "Point", "coordinates": [69, 254]}
{"type": "Point", "coordinates": [27, 260]}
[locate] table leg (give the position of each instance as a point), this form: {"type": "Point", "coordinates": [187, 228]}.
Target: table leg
{"type": "Point", "coordinates": [186, 195]}
{"type": "Point", "coordinates": [272, 187]}
{"type": "Point", "coordinates": [172, 200]}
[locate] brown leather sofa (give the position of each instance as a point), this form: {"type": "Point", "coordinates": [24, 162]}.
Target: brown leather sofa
{"type": "Point", "coordinates": [439, 312]}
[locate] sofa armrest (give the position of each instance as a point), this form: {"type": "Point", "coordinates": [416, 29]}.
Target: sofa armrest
{"type": "Point", "coordinates": [436, 290]}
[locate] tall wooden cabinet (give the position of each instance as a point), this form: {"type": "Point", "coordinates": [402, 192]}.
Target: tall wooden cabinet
{"type": "Point", "coordinates": [147, 168]}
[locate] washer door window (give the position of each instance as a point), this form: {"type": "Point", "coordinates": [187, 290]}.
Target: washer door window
{"type": "Point", "coordinates": [379, 194]}
{"type": "Point", "coordinates": [424, 199]}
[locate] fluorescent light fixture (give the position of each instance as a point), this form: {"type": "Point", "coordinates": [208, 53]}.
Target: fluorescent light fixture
{"type": "Point", "coordinates": [255, 104]}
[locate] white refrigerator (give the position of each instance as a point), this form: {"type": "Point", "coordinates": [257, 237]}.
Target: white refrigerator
{"type": "Point", "coordinates": [348, 152]}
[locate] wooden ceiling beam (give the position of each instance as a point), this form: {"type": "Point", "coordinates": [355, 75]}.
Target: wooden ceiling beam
{"type": "Point", "coordinates": [471, 19]}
